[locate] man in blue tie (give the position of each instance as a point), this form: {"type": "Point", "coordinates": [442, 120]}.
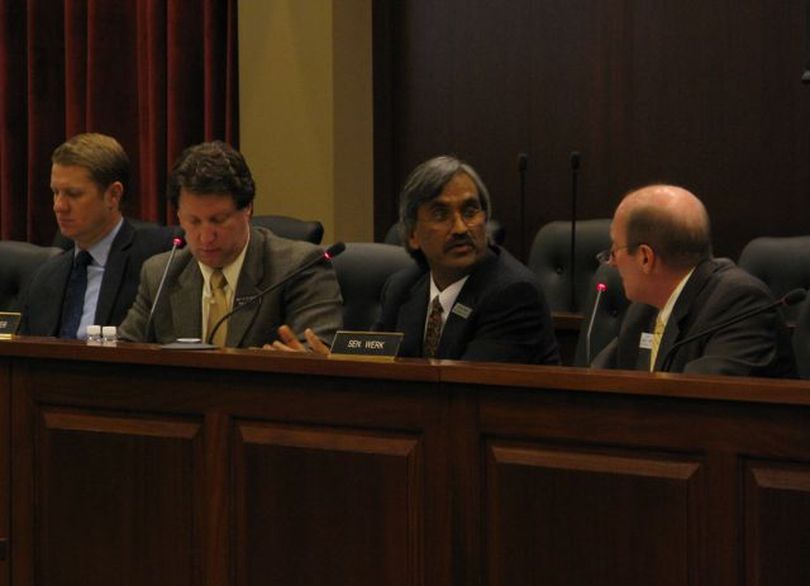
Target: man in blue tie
{"type": "Point", "coordinates": [95, 281]}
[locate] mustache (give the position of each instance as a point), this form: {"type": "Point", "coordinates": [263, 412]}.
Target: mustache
{"type": "Point", "coordinates": [459, 240]}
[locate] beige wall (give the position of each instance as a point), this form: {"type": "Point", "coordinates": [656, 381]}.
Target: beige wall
{"type": "Point", "coordinates": [305, 99]}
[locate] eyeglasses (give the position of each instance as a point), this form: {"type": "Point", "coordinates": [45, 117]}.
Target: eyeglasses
{"type": "Point", "coordinates": [444, 216]}
{"type": "Point", "coordinates": [609, 254]}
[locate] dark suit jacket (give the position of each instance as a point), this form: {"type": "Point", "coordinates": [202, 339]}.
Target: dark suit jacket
{"type": "Point", "coordinates": [509, 319]}
{"type": "Point", "coordinates": [716, 292]}
{"type": "Point", "coordinates": [42, 307]}
{"type": "Point", "coordinates": [310, 300]}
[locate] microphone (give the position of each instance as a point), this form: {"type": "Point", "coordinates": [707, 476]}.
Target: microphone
{"type": "Point", "coordinates": [806, 74]}
{"type": "Point", "coordinates": [326, 255]}
{"type": "Point", "coordinates": [792, 298]}
{"type": "Point", "coordinates": [574, 189]}
{"type": "Point", "coordinates": [177, 243]}
{"type": "Point", "coordinates": [600, 288]}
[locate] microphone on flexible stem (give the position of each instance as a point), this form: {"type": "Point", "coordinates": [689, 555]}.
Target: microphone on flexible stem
{"type": "Point", "coordinates": [574, 189]}
{"type": "Point", "coordinates": [600, 288]}
{"type": "Point", "coordinates": [792, 298]}
{"type": "Point", "coordinates": [326, 255]}
{"type": "Point", "coordinates": [806, 74]}
{"type": "Point", "coordinates": [523, 164]}
{"type": "Point", "coordinates": [177, 243]}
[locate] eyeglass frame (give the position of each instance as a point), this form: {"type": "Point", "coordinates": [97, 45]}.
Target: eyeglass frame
{"type": "Point", "coordinates": [477, 216]}
{"type": "Point", "coordinates": [609, 254]}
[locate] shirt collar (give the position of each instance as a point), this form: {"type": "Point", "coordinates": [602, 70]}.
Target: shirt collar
{"type": "Point", "coordinates": [666, 311]}
{"type": "Point", "coordinates": [100, 251]}
{"type": "Point", "coordinates": [448, 296]}
{"type": "Point", "coordinates": [230, 271]}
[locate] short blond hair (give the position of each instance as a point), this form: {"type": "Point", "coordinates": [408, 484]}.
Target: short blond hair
{"type": "Point", "coordinates": [102, 155]}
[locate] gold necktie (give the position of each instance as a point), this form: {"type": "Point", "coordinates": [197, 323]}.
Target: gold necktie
{"type": "Point", "coordinates": [217, 308]}
{"type": "Point", "coordinates": [433, 333]}
{"type": "Point", "coordinates": [658, 333]}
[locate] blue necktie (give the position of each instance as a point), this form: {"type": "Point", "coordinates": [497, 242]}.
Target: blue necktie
{"type": "Point", "coordinates": [73, 306]}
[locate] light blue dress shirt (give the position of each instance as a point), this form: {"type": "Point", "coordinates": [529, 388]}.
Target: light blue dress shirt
{"type": "Point", "coordinates": [100, 252]}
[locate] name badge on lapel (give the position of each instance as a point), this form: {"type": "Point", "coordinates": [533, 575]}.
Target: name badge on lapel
{"type": "Point", "coordinates": [646, 341]}
{"type": "Point", "coordinates": [238, 301]}
{"type": "Point", "coordinates": [461, 310]}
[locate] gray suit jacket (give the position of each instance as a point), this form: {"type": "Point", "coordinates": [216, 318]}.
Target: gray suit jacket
{"type": "Point", "coordinates": [310, 300]}
{"type": "Point", "coordinates": [716, 292]}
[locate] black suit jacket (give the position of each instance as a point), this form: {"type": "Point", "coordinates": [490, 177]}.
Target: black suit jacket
{"type": "Point", "coordinates": [508, 321]}
{"type": "Point", "coordinates": [42, 307]}
{"type": "Point", "coordinates": [716, 292]}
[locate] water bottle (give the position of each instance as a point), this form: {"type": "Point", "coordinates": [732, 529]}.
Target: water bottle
{"type": "Point", "coordinates": [94, 335]}
{"type": "Point", "coordinates": [109, 335]}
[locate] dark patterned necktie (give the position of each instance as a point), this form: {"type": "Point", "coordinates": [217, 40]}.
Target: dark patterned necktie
{"type": "Point", "coordinates": [73, 305]}
{"type": "Point", "coordinates": [433, 332]}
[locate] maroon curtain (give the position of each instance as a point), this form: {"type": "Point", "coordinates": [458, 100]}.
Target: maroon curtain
{"type": "Point", "coordinates": [158, 75]}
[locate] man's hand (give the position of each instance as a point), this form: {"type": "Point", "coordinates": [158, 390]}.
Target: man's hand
{"type": "Point", "coordinates": [289, 342]}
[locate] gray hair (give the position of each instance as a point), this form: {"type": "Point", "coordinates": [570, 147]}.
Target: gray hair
{"type": "Point", "coordinates": [426, 183]}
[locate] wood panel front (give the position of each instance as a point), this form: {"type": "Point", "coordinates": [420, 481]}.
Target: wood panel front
{"type": "Point", "coordinates": [557, 517]}
{"type": "Point", "coordinates": [146, 467]}
{"type": "Point", "coordinates": [175, 474]}
{"type": "Point", "coordinates": [777, 513]}
{"type": "Point", "coordinates": [126, 488]}
{"type": "Point", "coordinates": [614, 488]}
{"type": "Point", "coordinates": [328, 506]}
{"type": "Point", "coordinates": [5, 464]}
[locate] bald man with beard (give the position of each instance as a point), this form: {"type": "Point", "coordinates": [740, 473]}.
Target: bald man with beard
{"type": "Point", "coordinates": [661, 246]}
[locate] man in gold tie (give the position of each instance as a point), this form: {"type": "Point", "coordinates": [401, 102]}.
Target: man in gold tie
{"type": "Point", "coordinates": [662, 250]}
{"type": "Point", "coordinates": [226, 263]}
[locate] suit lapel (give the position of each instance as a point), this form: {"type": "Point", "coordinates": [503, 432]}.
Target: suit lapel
{"type": "Point", "coordinates": [51, 312]}
{"type": "Point", "coordinates": [678, 322]}
{"type": "Point", "coordinates": [453, 335]}
{"type": "Point", "coordinates": [250, 277]}
{"type": "Point", "coordinates": [186, 302]}
{"type": "Point", "coordinates": [412, 316]}
{"type": "Point", "coordinates": [114, 273]}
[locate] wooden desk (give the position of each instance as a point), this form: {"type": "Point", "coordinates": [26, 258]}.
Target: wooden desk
{"type": "Point", "coordinates": [142, 466]}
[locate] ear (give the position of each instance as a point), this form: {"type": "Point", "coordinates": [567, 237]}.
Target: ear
{"type": "Point", "coordinates": [114, 193]}
{"type": "Point", "coordinates": [413, 241]}
{"type": "Point", "coordinates": [647, 258]}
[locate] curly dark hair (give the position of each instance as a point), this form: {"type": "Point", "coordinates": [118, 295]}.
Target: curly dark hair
{"type": "Point", "coordinates": [212, 167]}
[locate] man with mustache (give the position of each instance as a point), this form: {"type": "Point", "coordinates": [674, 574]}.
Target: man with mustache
{"type": "Point", "coordinates": [466, 299]}
{"type": "Point", "coordinates": [469, 299]}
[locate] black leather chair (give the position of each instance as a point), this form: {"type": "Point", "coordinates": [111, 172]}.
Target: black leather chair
{"type": "Point", "coordinates": [18, 262]}
{"type": "Point", "coordinates": [783, 264]}
{"type": "Point", "coordinates": [608, 317]}
{"type": "Point", "coordinates": [801, 339]}
{"type": "Point", "coordinates": [292, 228]}
{"type": "Point", "coordinates": [362, 270]}
{"type": "Point", "coordinates": [497, 233]}
{"type": "Point", "coordinates": [550, 259]}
